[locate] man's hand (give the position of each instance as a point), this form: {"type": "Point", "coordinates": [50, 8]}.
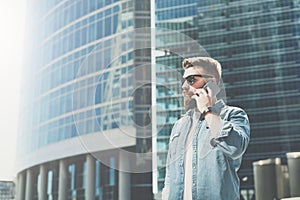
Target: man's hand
{"type": "Point", "coordinates": [203, 98]}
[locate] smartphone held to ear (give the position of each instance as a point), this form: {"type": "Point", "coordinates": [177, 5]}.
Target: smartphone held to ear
{"type": "Point", "coordinates": [213, 87]}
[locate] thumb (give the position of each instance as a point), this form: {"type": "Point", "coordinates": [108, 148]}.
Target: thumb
{"type": "Point", "coordinates": [195, 97]}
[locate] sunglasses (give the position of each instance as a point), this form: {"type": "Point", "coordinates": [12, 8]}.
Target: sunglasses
{"type": "Point", "coordinates": [191, 79]}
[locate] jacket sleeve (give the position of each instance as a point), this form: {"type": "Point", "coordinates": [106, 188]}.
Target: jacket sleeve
{"type": "Point", "coordinates": [235, 135]}
{"type": "Point", "coordinates": [165, 191]}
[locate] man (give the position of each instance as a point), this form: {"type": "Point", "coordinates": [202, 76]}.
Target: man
{"type": "Point", "coordinates": [207, 143]}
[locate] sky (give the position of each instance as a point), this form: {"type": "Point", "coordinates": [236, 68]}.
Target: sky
{"type": "Point", "coordinates": [12, 23]}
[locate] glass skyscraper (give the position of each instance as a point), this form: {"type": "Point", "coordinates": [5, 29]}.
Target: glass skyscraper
{"type": "Point", "coordinates": [7, 190]}
{"type": "Point", "coordinates": [81, 109]}
{"type": "Point", "coordinates": [257, 43]}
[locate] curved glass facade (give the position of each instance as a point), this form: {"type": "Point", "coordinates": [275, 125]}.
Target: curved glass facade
{"type": "Point", "coordinates": [71, 44]}
{"type": "Point", "coordinates": [79, 81]}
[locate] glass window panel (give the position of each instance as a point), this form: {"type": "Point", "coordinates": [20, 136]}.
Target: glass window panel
{"type": "Point", "coordinates": [112, 171]}
{"type": "Point", "coordinates": [74, 131]}
{"type": "Point", "coordinates": [77, 39]}
{"type": "Point", "coordinates": [71, 41]}
{"type": "Point", "coordinates": [99, 28]}
{"type": "Point", "coordinates": [85, 7]}
{"type": "Point", "coordinates": [99, 3]}
{"type": "Point", "coordinates": [72, 13]}
{"type": "Point", "coordinates": [83, 35]}
{"type": "Point", "coordinates": [78, 9]}
{"type": "Point", "coordinates": [108, 27]}
{"type": "Point", "coordinates": [91, 33]}
{"type": "Point", "coordinates": [92, 5]}
{"type": "Point", "coordinates": [115, 23]}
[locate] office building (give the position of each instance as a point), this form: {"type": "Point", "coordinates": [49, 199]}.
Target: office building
{"type": "Point", "coordinates": [257, 43]}
{"type": "Point", "coordinates": [81, 111]}
{"type": "Point", "coordinates": [7, 190]}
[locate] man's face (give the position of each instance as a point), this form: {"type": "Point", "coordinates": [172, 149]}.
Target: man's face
{"type": "Point", "coordinates": [195, 78]}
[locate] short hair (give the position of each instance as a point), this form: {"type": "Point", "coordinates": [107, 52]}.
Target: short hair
{"type": "Point", "coordinates": [209, 65]}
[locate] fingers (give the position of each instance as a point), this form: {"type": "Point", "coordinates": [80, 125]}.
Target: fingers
{"type": "Point", "coordinates": [195, 96]}
{"type": "Point", "coordinates": [201, 101]}
{"type": "Point", "coordinates": [203, 95]}
{"type": "Point", "coordinates": [201, 91]}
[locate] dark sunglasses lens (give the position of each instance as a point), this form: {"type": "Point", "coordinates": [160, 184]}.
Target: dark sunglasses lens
{"type": "Point", "coordinates": [190, 79]}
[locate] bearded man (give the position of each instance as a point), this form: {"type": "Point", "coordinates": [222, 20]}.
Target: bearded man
{"type": "Point", "coordinates": [207, 143]}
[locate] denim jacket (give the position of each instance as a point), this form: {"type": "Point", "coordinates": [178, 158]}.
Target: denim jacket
{"type": "Point", "coordinates": [214, 168]}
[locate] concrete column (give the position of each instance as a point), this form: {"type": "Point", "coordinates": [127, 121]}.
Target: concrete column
{"type": "Point", "coordinates": [90, 178]}
{"type": "Point", "coordinates": [42, 188]}
{"type": "Point", "coordinates": [265, 179]}
{"type": "Point", "coordinates": [62, 180]}
{"type": "Point", "coordinates": [21, 186]}
{"type": "Point", "coordinates": [294, 173]}
{"type": "Point", "coordinates": [29, 185]}
{"type": "Point", "coordinates": [124, 177]}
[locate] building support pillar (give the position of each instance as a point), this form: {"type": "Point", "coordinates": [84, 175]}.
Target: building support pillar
{"type": "Point", "coordinates": [124, 177]}
{"type": "Point", "coordinates": [21, 186]}
{"type": "Point", "coordinates": [29, 185]}
{"type": "Point", "coordinates": [90, 178]}
{"type": "Point", "coordinates": [42, 189]}
{"type": "Point", "coordinates": [62, 180]}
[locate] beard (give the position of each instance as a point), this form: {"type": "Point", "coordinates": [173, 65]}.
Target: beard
{"type": "Point", "coordinates": [189, 103]}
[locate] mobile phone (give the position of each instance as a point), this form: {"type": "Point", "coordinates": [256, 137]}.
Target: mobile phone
{"type": "Point", "coordinates": [214, 87]}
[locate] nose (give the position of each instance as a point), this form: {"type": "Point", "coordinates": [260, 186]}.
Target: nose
{"type": "Point", "coordinates": [185, 85]}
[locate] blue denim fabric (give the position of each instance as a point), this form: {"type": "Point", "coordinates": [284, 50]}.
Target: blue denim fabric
{"type": "Point", "coordinates": [214, 168]}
